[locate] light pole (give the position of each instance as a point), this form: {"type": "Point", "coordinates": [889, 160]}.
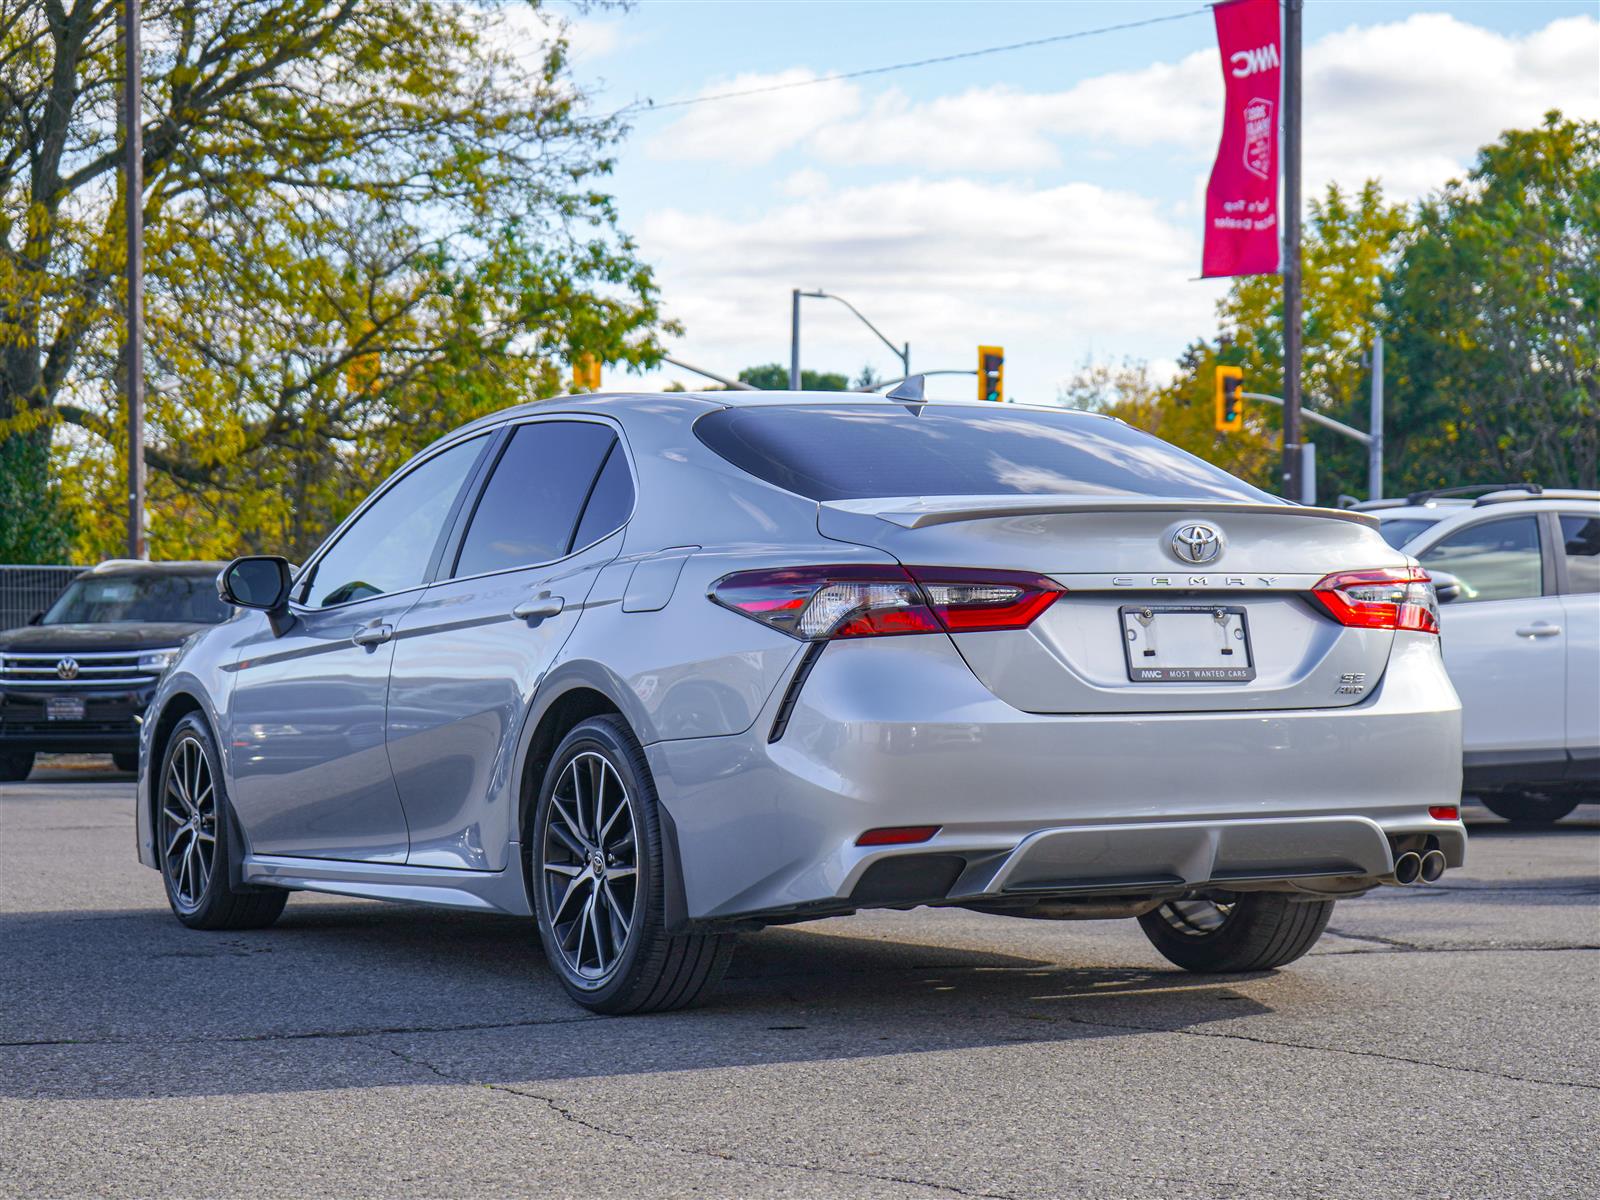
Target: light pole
{"type": "Point", "coordinates": [133, 349]}
{"type": "Point", "coordinates": [1292, 314]}
{"type": "Point", "coordinates": [903, 353]}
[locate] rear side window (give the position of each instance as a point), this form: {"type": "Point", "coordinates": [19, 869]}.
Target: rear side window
{"type": "Point", "coordinates": [531, 504]}
{"type": "Point", "coordinates": [1580, 539]}
{"type": "Point", "coordinates": [610, 503]}
{"type": "Point", "coordinates": [1397, 531]}
{"type": "Point", "coordinates": [1494, 560]}
{"type": "Point", "coordinates": [838, 452]}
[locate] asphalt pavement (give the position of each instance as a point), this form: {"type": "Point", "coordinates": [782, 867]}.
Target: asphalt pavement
{"type": "Point", "coordinates": [1440, 1041]}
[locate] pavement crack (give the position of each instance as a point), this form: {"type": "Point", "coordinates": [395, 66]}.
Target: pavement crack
{"type": "Point", "coordinates": [1396, 943]}
{"type": "Point", "coordinates": [646, 1143]}
{"type": "Point", "coordinates": [298, 1035]}
{"type": "Point", "coordinates": [1395, 946]}
{"type": "Point", "coordinates": [1378, 1054]}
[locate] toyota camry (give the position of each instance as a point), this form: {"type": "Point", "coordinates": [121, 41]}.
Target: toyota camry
{"type": "Point", "coordinates": [652, 670]}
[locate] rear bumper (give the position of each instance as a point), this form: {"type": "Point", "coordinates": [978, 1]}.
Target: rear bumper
{"type": "Point", "coordinates": [898, 731]}
{"type": "Point", "coordinates": [110, 722]}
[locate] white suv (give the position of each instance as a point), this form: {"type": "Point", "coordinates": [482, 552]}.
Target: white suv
{"type": "Point", "coordinates": [1521, 635]}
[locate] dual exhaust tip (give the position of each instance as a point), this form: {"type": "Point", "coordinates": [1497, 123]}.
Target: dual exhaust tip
{"type": "Point", "coordinates": [1412, 867]}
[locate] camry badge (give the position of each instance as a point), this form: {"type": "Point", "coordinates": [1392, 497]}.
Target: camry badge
{"type": "Point", "coordinates": [1196, 543]}
{"type": "Point", "coordinates": [67, 668]}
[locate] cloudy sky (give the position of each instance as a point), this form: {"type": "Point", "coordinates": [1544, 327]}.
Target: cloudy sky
{"type": "Point", "coordinates": [1045, 199]}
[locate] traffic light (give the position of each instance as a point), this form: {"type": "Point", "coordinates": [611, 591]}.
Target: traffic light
{"type": "Point", "coordinates": [992, 373]}
{"type": "Point", "coordinates": [1230, 405]}
{"type": "Point", "coordinates": [586, 373]}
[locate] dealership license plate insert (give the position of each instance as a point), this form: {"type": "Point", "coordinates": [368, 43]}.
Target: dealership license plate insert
{"type": "Point", "coordinates": [1187, 643]}
{"type": "Point", "coordinates": [63, 708]}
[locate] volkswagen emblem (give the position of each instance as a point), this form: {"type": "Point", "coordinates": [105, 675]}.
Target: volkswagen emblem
{"type": "Point", "coordinates": [67, 668]}
{"type": "Point", "coordinates": [1196, 543]}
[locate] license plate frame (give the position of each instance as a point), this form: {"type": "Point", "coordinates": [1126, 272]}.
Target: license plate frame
{"type": "Point", "coordinates": [1140, 619]}
{"type": "Point", "coordinates": [64, 708]}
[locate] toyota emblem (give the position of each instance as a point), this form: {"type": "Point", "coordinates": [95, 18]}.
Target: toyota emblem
{"type": "Point", "coordinates": [1196, 543]}
{"type": "Point", "coordinates": [67, 668]}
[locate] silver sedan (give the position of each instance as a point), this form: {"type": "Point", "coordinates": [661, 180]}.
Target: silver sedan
{"type": "Point", "coordinates": [656, 669]}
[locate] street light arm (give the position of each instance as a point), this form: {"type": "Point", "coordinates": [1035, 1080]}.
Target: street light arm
{"type": "Point", "coordinates": [1315, 418]}
{"type": "Point", "coordinates": [737, 385]}
{"type": "Point", "coordinates": [893, 349]}
{"type": "Point", "coordinates": [883, 383]}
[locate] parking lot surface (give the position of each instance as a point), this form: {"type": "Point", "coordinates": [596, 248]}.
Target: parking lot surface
{"type": "Point", "coordinates": [1439, 1041]}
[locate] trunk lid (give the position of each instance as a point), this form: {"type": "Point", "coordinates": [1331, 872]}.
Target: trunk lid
{"type": "Point", "coordinates": [1129, 590]}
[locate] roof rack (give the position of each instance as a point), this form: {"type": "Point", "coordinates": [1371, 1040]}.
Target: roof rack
{"type": "Point", "coordinates": [1434, 493]}
{"type": "Point", "coordinates": [1508, 495]}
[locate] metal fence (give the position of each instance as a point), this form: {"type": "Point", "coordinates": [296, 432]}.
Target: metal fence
{"type": "Point", "coordinates": [28, 590]}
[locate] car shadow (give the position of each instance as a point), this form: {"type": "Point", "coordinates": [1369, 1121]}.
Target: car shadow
{"type": "Point", "coordinates": [97, 1004]}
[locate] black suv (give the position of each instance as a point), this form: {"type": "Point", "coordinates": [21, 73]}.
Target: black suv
{"type": "Point", "coordinates": [78, 678]}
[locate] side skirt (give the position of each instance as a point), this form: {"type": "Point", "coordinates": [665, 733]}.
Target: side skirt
{"type": "Point", "coordinates": [489, 891]}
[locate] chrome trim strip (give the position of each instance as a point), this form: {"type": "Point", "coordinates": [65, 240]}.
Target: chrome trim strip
{"type": "Point", "coordinates": [53, 656]}
{"type": "Point", "coordinates": [139, 681]}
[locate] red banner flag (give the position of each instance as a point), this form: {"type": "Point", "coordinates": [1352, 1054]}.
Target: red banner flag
{"type": "Point", "coordinates": [1242, 197]}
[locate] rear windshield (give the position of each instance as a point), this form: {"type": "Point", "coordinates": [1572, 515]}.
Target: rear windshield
{"type": "Point", "coordinates": [1397, 531]}
{"type": "Point", "coordinates": [839, 452]}
{"type": "Point", "coordinates": [100, 599]}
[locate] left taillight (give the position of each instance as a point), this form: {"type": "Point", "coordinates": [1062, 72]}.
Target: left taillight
{"type": "Point", "coordinates": [1385, 598]}
{"type": "Point", "coordinates": [822, 603]}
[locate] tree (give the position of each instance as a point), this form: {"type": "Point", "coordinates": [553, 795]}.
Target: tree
{"type": "Point", "coordinates": [366, 222]}
{"type": "Point", "coordinates": [772, 377]}
{"type": "Point", "coordinates": [1496, 317]}
{"type": "Point", "coordinates": [1349, 248]}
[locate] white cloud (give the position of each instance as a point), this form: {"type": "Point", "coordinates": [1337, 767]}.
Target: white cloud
{"type": "Point", "coordinates": [967, 249]}
{"type": "Point", "coordinates": [753, 129]}
{"type": "Point", "coordinates": [805, 182]}
{"type": "Point", "coordinates": [944, 263]}
{"type": "Point", "coordinates": [1409, 101]}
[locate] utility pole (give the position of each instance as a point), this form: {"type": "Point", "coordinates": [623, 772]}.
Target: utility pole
{"type": "Point", "coordinates": [133, 350]}
{"type": "Point", "coordinates": [1375, 424]}
{"type": "Point", "coordinates": [794, 344]}
{"type": "Point", "coordinates": [1291, 250]}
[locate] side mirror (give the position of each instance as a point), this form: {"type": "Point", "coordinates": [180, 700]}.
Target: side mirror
{"type": "Point", "coordinates": [259, 581]}
{"type": "Point", "coordinates": [1445, 586]}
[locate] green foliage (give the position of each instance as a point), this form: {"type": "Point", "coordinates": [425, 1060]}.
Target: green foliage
{"type": "Point", "coordinates": [35, 529]}
{"type": "Point", "coordinates": [367, 221]}
{"type": "Point", "coordinates": [1488, 298]}
{"type": "Point", "coordinates": [771, 377]}
{"type": "Point", "coordinates": [1496, 316]}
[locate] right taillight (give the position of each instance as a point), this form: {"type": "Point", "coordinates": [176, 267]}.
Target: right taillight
{"type": "Point", "coordinates": [820, 603]}
{"type": "Point", "coordinates": [1385, 598]}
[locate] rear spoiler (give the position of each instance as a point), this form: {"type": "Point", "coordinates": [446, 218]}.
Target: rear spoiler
{"type": "Point", "coordinates": [916, 512]}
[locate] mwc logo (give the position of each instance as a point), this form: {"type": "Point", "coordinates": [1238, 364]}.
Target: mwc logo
{"type": "Point", "coordinates": [1252, 62]}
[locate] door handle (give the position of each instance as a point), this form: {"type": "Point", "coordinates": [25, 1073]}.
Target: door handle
{"type": "Point", "coordinates": [373, 635]}
{"type": "Point", "coordinates": [1539, 629]}
{"type": "Point", "coordinates": [539, 607]}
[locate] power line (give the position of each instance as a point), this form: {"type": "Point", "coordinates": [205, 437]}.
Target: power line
{"type": "Point", "coordinates": [652, 106]}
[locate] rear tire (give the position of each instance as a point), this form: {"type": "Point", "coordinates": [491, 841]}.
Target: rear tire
{"type": "Point", "coordinates": [15, 767]}
{"type": "Point", "coordinates": [194, 833]}
{"type": "Point", "coordinates": [126, 762]}
{"type": "Point", "coordinates": [1529, 808]}
{"type": "Point", "coordinates": [1255, 931]}
{"type": "Point", "coordinates": [599, 886]}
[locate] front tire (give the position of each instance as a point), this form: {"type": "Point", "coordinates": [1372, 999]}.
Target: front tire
{"type": "Point", "coordinates": [1529, 808]}
{"type": "Point", "coordinates": [15, 767]}
{"type": "Point", "coordinates": [1252, 931]}
{"type": "Point", "coordinates": [193, 835]}
{"type": "Point", "coordinates": [598, 881]}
